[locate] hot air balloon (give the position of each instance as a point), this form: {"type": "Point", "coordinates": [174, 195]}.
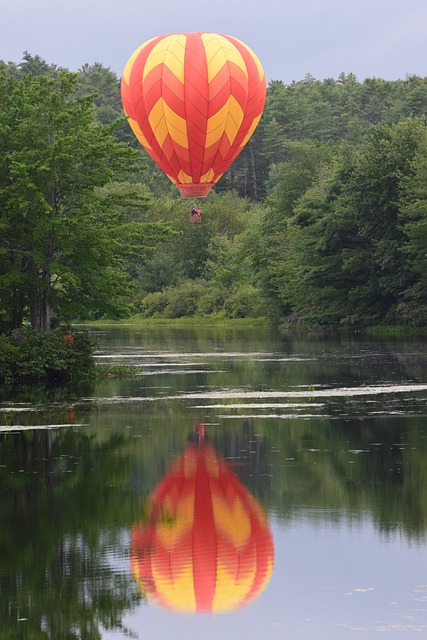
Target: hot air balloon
{"type": "Point", "coordinates": [205, 544]}
{"type": "Point", "coordinates": [193, 101]}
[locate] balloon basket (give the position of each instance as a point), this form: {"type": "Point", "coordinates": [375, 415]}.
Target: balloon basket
{"type": "Point", "coordinates": [195, 190]}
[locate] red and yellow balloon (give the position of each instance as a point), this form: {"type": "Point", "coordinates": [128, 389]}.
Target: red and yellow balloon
{"type": "Point", "coordinates": [205, 544]}
{"type": "Point", "coordinates": [193, 101]}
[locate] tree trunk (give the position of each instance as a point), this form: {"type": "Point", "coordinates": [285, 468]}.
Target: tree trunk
{"type": "Point", "coordinates": [39, 300]}
{"type": "Point", "coordinates": [17, 308]}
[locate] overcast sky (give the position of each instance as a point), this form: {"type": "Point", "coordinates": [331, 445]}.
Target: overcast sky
{"type": "Point", "coordinates": [381, 38]}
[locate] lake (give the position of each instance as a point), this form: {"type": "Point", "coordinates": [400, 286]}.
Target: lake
{"type": "Point", "coordinates": [245, 484]}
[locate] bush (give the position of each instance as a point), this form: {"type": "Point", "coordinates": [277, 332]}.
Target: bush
{"type": "Point", "coordinates": [211, 302]}
{"type": "Point", "coordinates": [154, 303]}
{"type": "Point", "coordinates": [183, 300]}
{"type": "Point", "coordinates": [8, 357]}
{"type": "Point", "coordinates": [192, 298]}
{"type": "Point", "coordinates": [174, 302]}
{"type": "Point", "coordinates": [244, 303]}
{"type": "Point", "coordinates": [56, 356]}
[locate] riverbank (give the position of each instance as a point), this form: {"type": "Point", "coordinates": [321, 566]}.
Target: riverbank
{"type": "Point", "coordinates": [380, 331]}
{"type": "Point", "coordinates": [187, 321]}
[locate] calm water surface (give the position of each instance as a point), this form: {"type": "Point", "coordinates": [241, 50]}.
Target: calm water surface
{"type": "Point", "coordinates": [242, 485]}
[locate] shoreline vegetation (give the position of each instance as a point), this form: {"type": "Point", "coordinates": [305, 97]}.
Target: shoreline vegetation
{"type": "Point", "coordinates": [194, 321]}
{"type": "Point", "coordinates": [60, 356]}
{"type": "Point", "coordinates": [190, 321]}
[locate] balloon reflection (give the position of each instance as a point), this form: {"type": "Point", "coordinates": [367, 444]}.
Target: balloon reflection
{"type": "Point", "coordinates": [205, 544]}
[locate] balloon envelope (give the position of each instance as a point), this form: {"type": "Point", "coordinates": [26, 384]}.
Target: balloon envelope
{"type": "Point", "coordinates": [206, 544]}
{"type": "Point", "coordinates": [193, 100]}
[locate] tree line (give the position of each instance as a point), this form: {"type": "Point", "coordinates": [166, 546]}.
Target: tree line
{"type": "Point", "coordinates": [320, 221]}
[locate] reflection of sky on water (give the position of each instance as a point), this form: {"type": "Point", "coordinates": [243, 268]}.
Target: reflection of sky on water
{"type": "Point", "coordinates": [331, 581]}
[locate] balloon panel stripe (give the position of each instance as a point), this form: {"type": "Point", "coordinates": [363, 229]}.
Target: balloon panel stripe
{"type": "Point", "coordinates": [196, 98]}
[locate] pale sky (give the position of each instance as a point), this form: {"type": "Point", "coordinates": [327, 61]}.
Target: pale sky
{"type": "Point", "coordinates": [370, 38]}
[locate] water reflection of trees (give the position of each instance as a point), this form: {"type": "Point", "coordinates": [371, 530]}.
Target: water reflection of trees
{"type": "Point", "coordinates": [340, 468]}
{"type": "Point", "coordinates": [351, 468]}
{"type": "Point", "coordinates": [64, 501]}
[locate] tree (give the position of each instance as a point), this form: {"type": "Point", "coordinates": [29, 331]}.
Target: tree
{"type": "Point", "coordinates": [345, 254]}
{"type": "Point", "coordinates": [413, 218]}
{"type": "Point", "coordinates": [36, 66]}
{"type": "Point", "coordinates": [375, 188]}
{"type": "Point", "coordinates": [61, 244]}
{"type": "Point", "coordinates": [104, 85]}
{"type": "Point", "coordinates": [308, 270]}
{"type": "Point", "coordinates": [286, 184]}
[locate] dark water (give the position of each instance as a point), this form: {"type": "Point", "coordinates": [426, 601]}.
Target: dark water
{"type": "Point", "coordinates": [244, 485]}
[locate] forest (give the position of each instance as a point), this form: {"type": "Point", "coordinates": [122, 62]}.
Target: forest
{"type": "Point", "coordinates": [321, 221]}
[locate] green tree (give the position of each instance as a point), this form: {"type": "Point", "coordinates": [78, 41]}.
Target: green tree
{"type": "Point", "coordinates": [36, 66]}
{"type": "Point", "coordinates": [375, 188]}
{"type": "Point", "coordinates": [287, 183]}
{"type": "Point", "coordinates": [413, 217]}
{"type": "Point", "coordinates": [62, 243]}
{"type": "Point", "coordinates": [105, 86]}
{"type": "Point", "coordinates": [308, 270]}
{"type": "Point", "coordinates": [344, 259]}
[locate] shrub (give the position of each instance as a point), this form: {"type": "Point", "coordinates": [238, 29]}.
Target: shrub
{"type": "Point", "coordinates": [245, 302]}
{"type": "Point", "coordinates": [174, 302]}
{"type": "Point", "coordinates": [211, 302]}
{"type": "Point", "coordinates": [183, 300]}
{"type": "Point", "coordinates": [154, 303]}
{"type": "Point", "coordinates": [49, 357]}
{"type": "Point", "coordinates": [8, 358]}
